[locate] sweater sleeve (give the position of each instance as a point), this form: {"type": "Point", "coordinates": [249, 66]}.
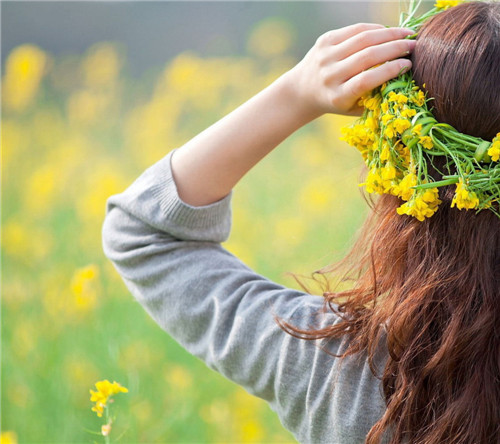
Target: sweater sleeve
{"type": "Point", "coordinates": [170, 257]}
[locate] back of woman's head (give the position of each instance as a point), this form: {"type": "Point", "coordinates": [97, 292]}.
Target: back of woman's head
{"type": "Point", "coordinates": [457, 56]}
{"type": "Point", "coordinates": [442, 276]}
{"type": "Point", "coordinates": [431, 289]}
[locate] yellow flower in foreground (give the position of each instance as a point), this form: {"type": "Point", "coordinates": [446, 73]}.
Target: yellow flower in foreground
{"type": "Point", "coordinates": [464, 198]}
{"type": "Point", "coordinates": [447, 4]}
{"type": "Point", "coordinates": [408, 112]}
{"type": "Point", "coordinates": [372, 103]}
{"type": "Point", "coordinates": [416, 129]}
{"type": "Point", "coordinates": [401, 125]}
{"type": "Point", "coordinates": [398, 98]}
{"type": "Point", "coordinates": [404, 188]}
{"type": "Point", "coordinates": [494, 149]}
{"type": "Point", "coordinates": [389, 171]}
{"type": "Point", "coordinates": [419, 98]}
{"type": "Point", "coordinates": [425, 204]}
{"type": "Point", "coordinates": [426, 142]}
{"type": "Point", "coordinates": [386, 118]}
{"type": "Point", "coordinates": [386, 151]}
{"type": "Point", "coordinates": [374, 182]}
{"type": "Point", "coordinates": [105, 390]}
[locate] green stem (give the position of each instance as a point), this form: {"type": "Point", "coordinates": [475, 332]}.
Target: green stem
{"type": "Point", "coordinates": [452, 136]}
{"type": "Point", "coordinates": [107, 439]}
{"type": "Point", "coordinates": [436, 184]}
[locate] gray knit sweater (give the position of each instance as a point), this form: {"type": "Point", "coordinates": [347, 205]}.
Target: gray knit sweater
{"type": "Point", "coordinates": [170, 257]}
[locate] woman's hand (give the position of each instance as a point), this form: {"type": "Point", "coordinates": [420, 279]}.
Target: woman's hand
{"type": "Point", "coordinates": [336, 72]}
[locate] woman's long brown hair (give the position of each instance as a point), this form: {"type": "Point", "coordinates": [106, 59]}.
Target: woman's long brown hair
{"type": "Point", "coordinates": [431, 290]}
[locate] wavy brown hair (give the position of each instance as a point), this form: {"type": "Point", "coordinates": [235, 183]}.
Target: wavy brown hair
{"type": "Point", "coordinates": [431, 290]}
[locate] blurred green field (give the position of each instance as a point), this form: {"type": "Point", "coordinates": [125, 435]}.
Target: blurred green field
{"type": "Point", "coordinates": [76, 130]}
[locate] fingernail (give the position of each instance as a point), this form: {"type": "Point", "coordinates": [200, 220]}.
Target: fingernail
{"type": "Point", "coordinates": [411, 46]}
{"type": "Point", "coordinates": [404, 65]}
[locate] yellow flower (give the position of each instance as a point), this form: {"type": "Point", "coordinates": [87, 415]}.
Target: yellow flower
{"type": "Point", "coordinates": [416, 129]}
{"type": "Point", "coordinates": [494, 149]}
{"type": "Point", "coordinates": [374, 182]}
{"type": "Point", "coordinates": [404, 153]}
{"type": "Point", "coordinates": [386, 118]}
{"type": "Point", "coordinates": [447, 4]}
{"type": "Point", "coordinates": [401, 125]}
{"type": "Point", "coordinates": [430, 196]}
{"type": "Point", "coordinates": [408, 112]}
{"type": "Point", "coordinates": [388, 172]}
{"type": "Point", "coordinates": [389, 132]}
{"type": "Point", "coordinates": [372, 103]}
{"type": "Point", "coordinates": [360, 136]}
{"type": "Point", "coordinates": [371, 124]}
{"type": "Point", "coordinates": [419, 98]}
{"type": "Point", "coordinates": [385, 153]}
{"type": "Point", "coordinates": [105, 390]}
{"type": "Point", "coordinates": [426, 142]}
{"type": "Point", "coordinates": [384, 107]}
{"type": "Point", "coordinates": [423, 205]}
{"type": "Point", "coordinates": [404, 189]}
{"type": "Point", "coordinates": [464, 198]}
{"type": "Point", "coordinates": [398, 98]}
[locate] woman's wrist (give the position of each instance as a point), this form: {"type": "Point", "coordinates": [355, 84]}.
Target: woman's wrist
{"type": "Point", "coordinates": [301, 104]}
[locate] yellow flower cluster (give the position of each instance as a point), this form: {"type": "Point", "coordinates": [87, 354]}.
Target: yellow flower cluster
{"type": "Point", "coordinates": [494, 150]}
{"type": "Point", "coordinates": [464, 198]}
{"type": "Point", "coordinates": [398, 137]}
{"type": "Point", "coordinates": [447, 4]}
{"type": "Point", "coordinates": [425, 204]}
{"type": "Point", "coordinates": [105, 390]}
{"type": "Point", "coordinates": [385, 138]}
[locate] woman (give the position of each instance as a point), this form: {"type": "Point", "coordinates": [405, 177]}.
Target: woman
{"type": "Point", "coordinates": [424, 314]}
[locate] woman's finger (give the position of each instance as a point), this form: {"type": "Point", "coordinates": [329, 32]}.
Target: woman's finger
{"type": "Point", "coordinates": [369, 38]}
{"type": "Point", "coordinates": [337, 36]}
{"type": "Point", "coordinates": [372, 56]}
{"type": "Point", "coordinates": [364, 82]}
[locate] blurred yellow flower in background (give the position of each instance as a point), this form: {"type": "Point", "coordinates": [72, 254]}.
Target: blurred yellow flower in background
{"type": "Point", "coordinates": [24, 69]}
{"type": "Point", "coordinates": [86, 106]}
{"type": "Point", "coordinates": [101, 66]}
{"type": "Point", "coordinates": [318, 194]}
{"type": "Point", "coordinates": [13, 140]}
{"type": "Point", "coordinates": [84, 287]}
{"type": "Point", "coordinates": [41, 189]}
{"type": "Point", "coordinates": [8, 437]}
{"type": "Point", "coordinates": [271, 37]}
{"type": "Point", "coordinates": [15, 238]}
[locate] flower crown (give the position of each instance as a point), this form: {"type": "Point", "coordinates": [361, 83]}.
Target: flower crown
{"type": "Point", "coordinates": [398, 136]}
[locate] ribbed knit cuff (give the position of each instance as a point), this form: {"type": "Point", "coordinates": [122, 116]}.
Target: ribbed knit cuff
{"type": "Point", "coordinates": [209, 222]}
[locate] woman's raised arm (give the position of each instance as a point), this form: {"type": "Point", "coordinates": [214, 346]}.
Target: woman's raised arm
{"type": "Point", "coordinates": [330, 79]}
